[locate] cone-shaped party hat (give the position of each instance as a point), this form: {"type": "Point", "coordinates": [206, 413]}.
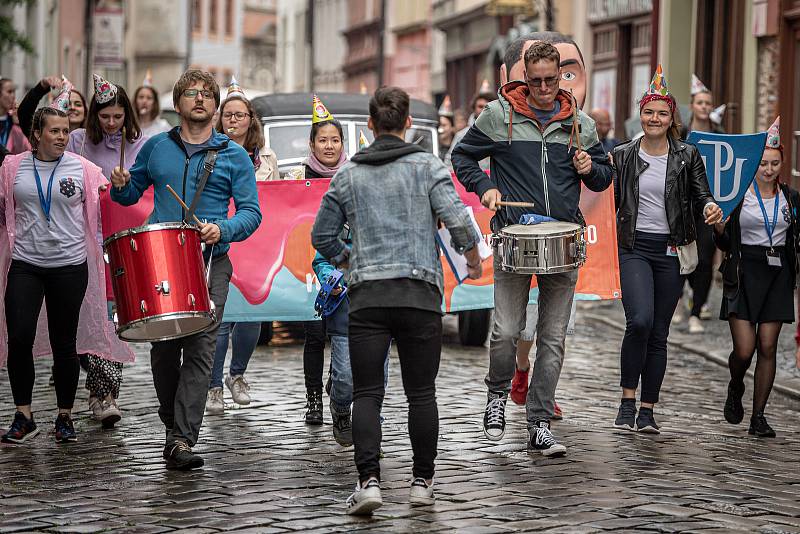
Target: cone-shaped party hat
{"type": "Point", "coordinates": [234, 89]}
{"type": "Point", "coordinates": [774, 134]}
{"type": "Point", "coordinates": [446, 108]}
{"type": "Point", "coordinates": [104, 91]}
{"type": "Point", "coordinates": [698, 86]}
{"type": "Point", "coordinates": [319, 112]}
{"type": "Point", "coordinates": [61, 102]}
{"type": "Point", "coordinates": [148, 79]}
{"type": "Point", "coordinates": [485, 87]}
{"type": "Point", "coordinates": [362, 140]}
{"type": "Point", "coordinates": [716, 115]}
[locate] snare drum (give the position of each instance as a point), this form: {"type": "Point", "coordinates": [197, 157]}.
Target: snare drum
{"type": "Point", "coordinates": [159, 281]}
{"type": "Point", "coordinates": [544, 248]}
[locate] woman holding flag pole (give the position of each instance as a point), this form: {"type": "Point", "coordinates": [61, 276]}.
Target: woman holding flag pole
{"type": "Point", "coordinates": [658, 179]}
{"type": "Point", "coordinates": [760, 240]}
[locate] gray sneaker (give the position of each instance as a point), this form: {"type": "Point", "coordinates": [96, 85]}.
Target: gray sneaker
{"type": "Point", "coordinates": [239, 388]}
{"type": "Point", "coordinates": [111, 413]}
{"type": "Point", "coordinates": [365, 499]}
{"type": "Point", "coordinates": [421, 493]}
{"type": "Point", "coordinates": [215, 403]}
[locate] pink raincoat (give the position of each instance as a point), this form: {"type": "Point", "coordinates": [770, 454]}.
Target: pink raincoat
{"type": "Point", "coordinates": [95, 332]}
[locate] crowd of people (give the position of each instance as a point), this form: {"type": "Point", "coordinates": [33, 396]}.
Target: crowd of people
{"type": "Point", "coordinates": [538, 146]}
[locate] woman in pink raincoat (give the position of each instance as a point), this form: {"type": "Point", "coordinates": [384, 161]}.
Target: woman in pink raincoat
{"type": "Point", "coordinates": [49, 255]}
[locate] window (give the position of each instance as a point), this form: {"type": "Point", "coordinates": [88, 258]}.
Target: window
{"type": "Point", "coordinates": [213, 18]}
{"type": "Point", "coordinates": [197, 15]}
{"type": "Point", "coordinates": [230, 15]}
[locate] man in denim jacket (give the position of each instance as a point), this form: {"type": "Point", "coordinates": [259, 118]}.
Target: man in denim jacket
{"type": "Point", "coordinates": [392, 194]}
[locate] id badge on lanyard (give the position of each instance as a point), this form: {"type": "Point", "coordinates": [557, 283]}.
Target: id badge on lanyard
{"type": "Point", "coordinates": [773, 257]}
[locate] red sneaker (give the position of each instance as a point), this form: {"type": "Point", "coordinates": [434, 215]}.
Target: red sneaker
{"type": "Point", "coordinates": [557, 415]}
{"type": "Point", "coordinates": [519, 386]}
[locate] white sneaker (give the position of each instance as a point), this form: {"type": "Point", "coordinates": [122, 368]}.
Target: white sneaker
{"type": "Point", "coordinates": [421, 493]}
{"type": "Point", "coordinates": [96, 407]}
{"type": "Point", "coordinates": [215, 403]}
{"type": "Point", "coordinates": [695, 325]}
{"type": "Point", "coordinates": [111, 412]}
{"type": "Point", "coordinates": [705, 312]}
{"type": "Point", "coordinates": [366, 499]}
{"type": "Point", "coordinates": [238, 387]}
{"type": "Point", "coordinates": [680, 314]}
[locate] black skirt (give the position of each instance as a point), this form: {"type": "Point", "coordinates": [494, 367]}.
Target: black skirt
{"type": "Point", "coordinates": [765, 293]}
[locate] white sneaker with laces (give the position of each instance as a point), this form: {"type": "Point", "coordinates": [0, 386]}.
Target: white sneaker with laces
{"type": "Point", "coordinates": [696, 325]}
{"type": "Point", "coordinates": [239, 388]}
{"type": "Point", "coordinates": [111, 412]}
{"type": "Point", "coordinates": [215, 403]}
{"type": "Point", "coordinates": [365, 499]}
{"type": "Point", "coordinates": [705, 312]}
{"type": "Point", "coordinates": [421, 493]}
{"type": "Point", "coordinates": [542, 440]}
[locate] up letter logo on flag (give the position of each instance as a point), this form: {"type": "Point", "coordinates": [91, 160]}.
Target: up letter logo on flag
{"type": "Point", "coordinates": [731, 163]}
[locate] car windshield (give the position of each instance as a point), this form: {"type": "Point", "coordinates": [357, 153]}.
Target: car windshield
{"type": "Point", "coordinates": [290, 141]}
{"type": "Point", "coordinates": [421, 136]}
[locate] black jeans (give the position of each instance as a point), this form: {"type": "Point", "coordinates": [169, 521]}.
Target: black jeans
{"type": "Point", "coordinates": [700, 279]}
{"type": "Point", "coordinates": [418, 335]}
{"type": "Point", "coordinates": [651, 286]}
{"type": "Point", "coordinates": [314, 353]}
{"type": "Point", "coordinates": [62, 289]}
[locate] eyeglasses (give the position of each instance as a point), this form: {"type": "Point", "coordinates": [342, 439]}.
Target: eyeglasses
{"type": "Point", "coordinates": [192, 93]}
{"type": "Point", "coordinates": [551, 81]}
{"type": "Point", "coordinates": [240, 115]}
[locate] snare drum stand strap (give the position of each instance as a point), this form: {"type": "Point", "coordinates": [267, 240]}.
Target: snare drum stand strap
{"type": "Point", "coordinates": [208, 167]}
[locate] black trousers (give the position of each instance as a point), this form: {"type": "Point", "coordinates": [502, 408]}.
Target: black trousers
{"type": "Point", "coordinates": [700, 280]}
{"type": "Point", "coordinates": [651, 286]}
{"type": "Point", "coordinates": [314, 353]}
{"type": "Point", "coordinates": [62, 289]}
{"type": "Point", "coordinates": [418, 335]}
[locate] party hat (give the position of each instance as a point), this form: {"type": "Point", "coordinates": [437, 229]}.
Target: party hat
{"type": "Point", "coordinates": [362, 89]}
{"type": "Point", "coordinates": [362, 140]}
{"type": "Point", "coordinates": [446, 108]}
{"type": "Point", "coordinates": [698, 86]}
{"type": "Point", "coordinates": [234, 89]}
{"type": "Point", "coordinates": [485, 87]}
{"type": "Point", "coordinates": [319, 113]}
{"type": "Point", "coordinates": [658, 85]}
{"type": "Point", "coordinates": [104, 91]}
{"type": "Point", "coordinates": [716, 115]}
{"type": "Point", "coordinates": [61, 102]}
{"type": "Point", "coordinates": [148, 79]}
{"type": "Point", "coordinates": [774, 134]}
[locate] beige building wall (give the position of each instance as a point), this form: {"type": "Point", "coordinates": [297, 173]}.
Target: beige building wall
{"type": "Point", "coordinates": [330, 46]}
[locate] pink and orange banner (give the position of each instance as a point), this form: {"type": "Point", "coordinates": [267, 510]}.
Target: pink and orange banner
{"type": "Point", "coordinates": [272, 275]}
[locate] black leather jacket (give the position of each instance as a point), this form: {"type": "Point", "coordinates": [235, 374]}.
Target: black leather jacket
{"type": "Point", "coordinates": [730, 242]}
{"type": "Point", "coordinates": [686, 192]}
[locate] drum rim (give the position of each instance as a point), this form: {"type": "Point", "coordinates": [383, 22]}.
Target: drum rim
{"type": "Point", "coordinates": [172, 315]}
{"type": "Point", "coordinates": [174, 225]}
{"type": "Point", "coordinates": [578, 230]}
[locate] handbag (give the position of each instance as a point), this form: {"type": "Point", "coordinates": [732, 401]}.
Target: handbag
{"type": "Point", "coordinates": [687, 257]}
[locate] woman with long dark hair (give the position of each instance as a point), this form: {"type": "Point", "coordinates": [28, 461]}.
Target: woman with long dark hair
{"type": "Point", "coordinates": [49, 253]}
{"type": "Point", "coordinates": [658, 180]}
{"type": "Point", "coordinates": [110, 114]}
{"type": "Point", "coordinates": [760, 241]}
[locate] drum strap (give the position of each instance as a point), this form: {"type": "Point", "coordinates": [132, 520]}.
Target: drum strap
{"type": "Point", "coordinates": [208, 167]}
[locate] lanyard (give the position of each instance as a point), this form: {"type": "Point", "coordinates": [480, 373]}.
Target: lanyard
{"type": "Point", "coordinates": [45, 202]}
{"type": "Point", "coordinates": [769, 226]}
{"type": "Point", "coordinates": [6, 130]}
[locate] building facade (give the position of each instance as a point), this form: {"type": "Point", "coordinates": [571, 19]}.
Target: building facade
{"type": "Point", "coordinates": [259, 45]}
{"type": "Point", "coordinates": [293, 61]}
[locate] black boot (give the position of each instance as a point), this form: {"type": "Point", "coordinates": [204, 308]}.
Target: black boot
{"type": "Point", "coordinates": [734, 411]}
{"type": "Point", "coordinates": [759, 426]}
{"type": "Point", "coordinates": [314, 407]}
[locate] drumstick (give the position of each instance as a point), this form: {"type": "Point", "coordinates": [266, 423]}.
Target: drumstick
{"type": "Point", "coordinates": [514, 204]}
{"type": "Point", "coordinates": [122, 150]}
{"type": "Point", "coordinates": [576, 122]}
{"type": "Point", "coordinates": [182, 203]}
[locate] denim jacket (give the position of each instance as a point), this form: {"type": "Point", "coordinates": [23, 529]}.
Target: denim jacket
{"type": "Point", "coordinates": [392, 195]}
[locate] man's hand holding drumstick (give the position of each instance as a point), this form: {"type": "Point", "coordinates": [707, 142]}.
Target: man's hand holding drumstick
{"type": "Point", "coordinates": [209, 232]}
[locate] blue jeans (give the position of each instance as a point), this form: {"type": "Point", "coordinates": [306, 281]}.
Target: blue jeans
{"type": "Point", "coordinates": [245, 339]}
{"type": "Point", "coordinates": [342, 374]}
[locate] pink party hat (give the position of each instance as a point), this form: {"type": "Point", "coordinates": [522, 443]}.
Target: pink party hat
{"type": "Point", "coordinates": [774, 134]}
{"type": "Point", "coordinates": [61, 102]}
{"type": "Point", "coordinates": [104, 91]}
{"type": "Point", "coordinates": [698, 86]}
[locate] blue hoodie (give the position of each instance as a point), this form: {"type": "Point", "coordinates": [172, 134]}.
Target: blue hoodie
{"type": "Point", "coordinates": [163, 161]}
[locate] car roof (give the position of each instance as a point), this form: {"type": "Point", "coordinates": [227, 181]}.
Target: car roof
{"type": "Point", "coordinates": [299, 104]}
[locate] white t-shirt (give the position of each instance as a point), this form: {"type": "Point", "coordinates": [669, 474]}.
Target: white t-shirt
{"type": "Point", "coordinates": [652, 215]}
{"type": "Point", "coordinates": [751, 220]}
{"type": "Point", "coordinates": [62, 242]}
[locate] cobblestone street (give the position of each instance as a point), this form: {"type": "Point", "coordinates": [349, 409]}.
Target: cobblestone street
{"type": "Point", "coordinates": [268, 472]}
